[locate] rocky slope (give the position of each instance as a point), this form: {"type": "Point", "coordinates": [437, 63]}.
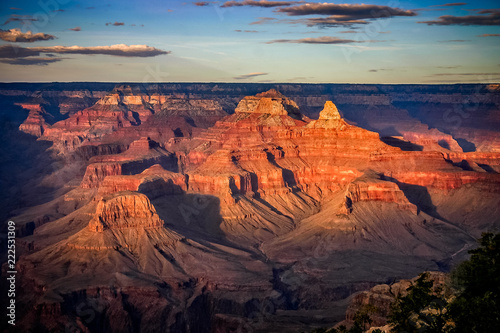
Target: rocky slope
{"type": "Point", "coordinates": [217, 219]}
{"type": "Point", "coordinates": [452, 114]}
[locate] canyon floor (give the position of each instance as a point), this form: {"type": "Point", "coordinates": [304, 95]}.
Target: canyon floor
{"type": "Point", "coordinates": [237, 207]}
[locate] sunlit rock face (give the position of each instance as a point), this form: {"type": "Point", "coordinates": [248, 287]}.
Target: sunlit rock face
{"type": "Point", "coordinates": [193, 205]}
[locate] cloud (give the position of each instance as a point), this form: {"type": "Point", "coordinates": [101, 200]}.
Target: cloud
{"type": "Point", "coordinates": [20, 18]}
{"type": "Point", "coordinates": [76, 29]}
{"type": "Point", "coordinates": [37, 61]}
{"type": "Point", "coordinates": [119, 50]}
{"type": "Point", "coordinates": [329, 22]}
{"type": "Point", "coordinates": [345, 12]}
{"type": "Point", "coordinates": [489, 35]}
{"type": "Point", "coordinates": [349, 32]}
{"type": "Point", "coordinates": [263, 20]}
{"type": "Point", "coordinates": [17, 36]}
{"type": "Point", "coordinates": [116, 24]}
{"type": "Point", "coordinates": [454, 41]}
{"type": "Point", "coordinates": [250, 31]}
{"type": "Point", "coordinates": [261, 3]}
{"type": "Point", "coordinates": [15, 8]}
{"type": "Point", "coordinates": [249, 76]}
{"type": "Point", "coordinates": [493, 18]}
{"type": "Point", "coordinates": [381, 69]}
{"type": "Point", "coordinates": [317, 40]}
{"type": "Point", "coordinates": [451, 4]}
{"type": "Point", "coordinates": [465, 74]}
{"type": "Point", "coordinates": [201, 3]}
{"type": "Point", "coordinates": [340, 15]}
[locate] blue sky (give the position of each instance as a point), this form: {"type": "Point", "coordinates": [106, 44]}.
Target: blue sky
{"type": "Point", "coordinates": [250, 41]}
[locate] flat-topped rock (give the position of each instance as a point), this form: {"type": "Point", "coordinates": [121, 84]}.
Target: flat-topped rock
{"type": "Point", "coordinates": [269, 102]}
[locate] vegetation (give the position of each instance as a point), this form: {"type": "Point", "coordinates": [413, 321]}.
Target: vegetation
{"type": "Point", "coordinates": [472, 305]}
{"type": "Point", "coordinates": [423, 309]}
{"type": "Point", "coordinates": [469, 303]}
{"type": "Point", "coordinates": [476, 307]}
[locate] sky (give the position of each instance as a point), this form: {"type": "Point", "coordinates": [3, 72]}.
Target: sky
{"type": "Point", "coordinates": [376, 41]}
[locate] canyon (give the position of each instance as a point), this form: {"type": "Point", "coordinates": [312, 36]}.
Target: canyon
{"type": "Point", "coordinates": [238, 207]}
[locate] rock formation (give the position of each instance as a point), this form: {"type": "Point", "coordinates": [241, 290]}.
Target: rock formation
{"type": "Point", "coordinates": [122, 211]}
{"type": "Point", "coordinates": [162, 195]}
{"type": "Point", "coordinates": [36, 123]}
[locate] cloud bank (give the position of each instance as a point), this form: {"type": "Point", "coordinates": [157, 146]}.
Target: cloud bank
{"type": "Point", "coordinates": [489, 17]}
{"type": "Point", "coordinates": [249, 76]}
{"type": "Point", "coordinates": [346, 11]}
{"type": "Point", "coordinates": [318, 40]}
{"type": "Point", "coordinates": [261, 3]}
{"type": "Point", "coordinates": [17, 36]}
{"type": "Point", "coordinates": [20, 18]}
{"type": "Point", "coordinates": [14, 53]}
{"type": "Point", "coordinates": [489, 35]}
{"type": "Point", "coordinates": [37, 61]}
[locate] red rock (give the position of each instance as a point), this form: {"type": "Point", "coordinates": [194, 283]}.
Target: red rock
{"type": "Point", "coordinates": [154, 181]}
{"type": "Point", "coordinates": [381, 296]}
{"type": "Point", "coordinates": [141, 155]}
{"type": "Point", "coordinates": [35, 123]}
{"type": "Point", "coordinates": [450, 180]}
{"type": "Point", "coordinates": [124, 210]}
{"type": "Point", "coordinates": [371, 189]}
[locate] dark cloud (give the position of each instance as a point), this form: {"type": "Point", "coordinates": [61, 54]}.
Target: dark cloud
{"type": "Point", "coordinates": [20, 18]}
{"type": "Point", "coordinates": [340, 15]}
{"type": "Point", "coordinates": [17, 36]}
{"type": "Point", "coordinates": [201, 3]}
{"type": "Point", "coordinates": [120, 50]}
{"type": "Point", "coordinates": [372, 70]}
{"type": "Point", "coordinates": [58, 10]}
{"type": "Point", "coordinates": [249, 76]}
{"type": "Point", "coordinates": [37, 61]}
{"type": "Point", "coordinates": [489, 35]}
{"type": "Point", "coordinates": [263, 20]}
{"type": "Point", "coordinates": [493, 18]}
{"type": "Point", "coordinates": [346, 12]}
{"type": "Point", "coordinates": [329, 22]}
{"type": "Point", "coordinates": [261, 3]}
{"type": "Point", "coordinates": [116, 24]}
{"type": "Point", "coordinates": [451, 4]}
{"type": "Point", "coordinates": [76, 29]}
{"type": "Point", "coordinates": [358, 31]}
{"type": "Point", "coordinates": [317, 40]}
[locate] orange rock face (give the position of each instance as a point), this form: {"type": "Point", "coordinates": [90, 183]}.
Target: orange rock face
{"type": "Point", "coordinates": [153, 181]}
{"type": "Point", "coordinates": [141, 155]}
{"type": "Point", "coordinates": [373, 190]}
{"type": "Point", "coordinates": [35, 123]}
{"type": "Point", "coordinates": [192, 203]}
{"type": "Point", "coordinates": [124, 210]}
